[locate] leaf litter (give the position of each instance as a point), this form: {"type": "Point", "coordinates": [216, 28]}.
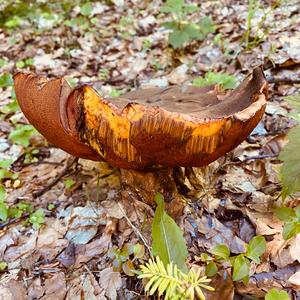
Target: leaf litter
{"type": "Point", "coordinates": [123, 47]}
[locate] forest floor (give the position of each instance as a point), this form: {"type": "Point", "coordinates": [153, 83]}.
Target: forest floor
{"type": "Point", "coordinates": [62, 251]}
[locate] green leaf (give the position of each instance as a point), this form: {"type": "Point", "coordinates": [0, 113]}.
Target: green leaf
{"type": "Point", "coordinates": [3, 62]}
{"type": "Point", "coordinates": [25, 207]}
{"type": "Point", "coordinates": [290, 229]}
{"type": "Point", "coordinates": [3, 266]}
{"type": "Point", "coordinates": [226, 80]}
{"type": "Point", "coordinates": [3, 211]}
{"type": "Point", "coordinates": [2, 193]}
{"type": "Point", "coordinates": [22, 135]}
{"type": "Point", "coordinates": [207, 25]}
{"type": "Point", "coordinates": [15, 21]}
{"type": "Point", "coordinates": [51, 206]}
{"type": "Point", "coordinates": [14, 212]}
{"type": "Point", "coordinates": [221, 251]}
{"type": "Point", "coordinates": [37, 218]}
{"type": "Point", "coordinates": [20, 64]}
{"type": "Point", "coordinates": [284, 213]}
{"type": "Point", "coordinates": [86, 9]}
{"type": "Point", "coordinates": [171, 25]}
{"type": "Point", "coordinates": [294, 101]}
{"type": "Point", "coordinates": [256, 247]}
{"type": "Point", "coordinates": [167, 238]}
{"type": "Point", "coordinates": [29, 62]}
{"type": "Point", "coordinates": [194, 31]}
{"type": "Point", "coordinates": [178, 38]}
{"type": "Point", "coordinates": [138, 251]}
{"type": "Point", "coordinates": [188, 9]}
{"type": "Point", "coordinates": [115, 93]}
{"type": "Point", "coordinates": [241, 267]}
{"type": "Point", "coordinates": [275, 294]}
{"type": "Point", "coordinates": [297, 211]}
{"type": "Point", "coordinates": [6, 80]}
{"type": "Point", "coordinates": [290, 170]}
{"type": "Point", "coordinates": [173, 6]}
{"type": "Point", "coordinates": [211, 269]}
{"type": "Point", "coordinates": [69, 183]}
{"type": "Point", "coordinates": [6, 163]}
{"type": "Point", "coordinates": [11, 107]}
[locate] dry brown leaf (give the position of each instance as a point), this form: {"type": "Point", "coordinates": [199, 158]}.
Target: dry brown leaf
{"type": "Point", "coordinates": [12, 290]}
{"type": "Point", "coordinates": [265, 223]}
{"type": "Point", "coordinates": [50, 240]}
{"type": "Point", "coordinates": [55, 287]}
{"type": "Point", "coordinates": [85, 287]}
{"type": "Point", "coordinates": [25, 246]}
{"type": "Point", "coordinates": [295, 248]}
{"type": "Point", "coordinates": [295, 279]}
{"type": "Point", "coordinates": [111, 281]}
{"type": "Point", "coordinates": [89, 251]}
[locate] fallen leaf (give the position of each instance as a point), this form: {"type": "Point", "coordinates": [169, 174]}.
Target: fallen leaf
{"type": "Point", "coordinates": [111, 281]}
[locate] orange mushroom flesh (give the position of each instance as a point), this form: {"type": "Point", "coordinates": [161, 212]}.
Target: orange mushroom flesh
{"type": "Point", "coordinates": [144, 130]}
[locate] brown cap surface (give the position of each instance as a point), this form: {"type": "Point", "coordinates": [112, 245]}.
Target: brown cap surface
{"type": "Point", "coordinates": [174, 126]}
{"type": "Point", "coordinates": [41, 101]}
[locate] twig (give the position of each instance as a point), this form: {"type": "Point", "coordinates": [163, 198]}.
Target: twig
{"type": "Point", "coordinates": [13, 220]}
{"type": "Point", "coordinates": [283, 80]}
{"type": "Point", "coordinates": [138, 233]}
{"type": "Point", "coordinates": [56, 179]}
{"type": "Point", "coordinates": [262, 156]}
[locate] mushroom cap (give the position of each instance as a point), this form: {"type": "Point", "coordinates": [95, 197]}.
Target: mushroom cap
{"type": "Point", "coordinates": [174, 126]}
{"type": "Point", "coordinates": [42, 102]}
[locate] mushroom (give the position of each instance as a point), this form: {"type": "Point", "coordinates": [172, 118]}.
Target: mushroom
{"type": "Point", "coordinates": [147, 132]}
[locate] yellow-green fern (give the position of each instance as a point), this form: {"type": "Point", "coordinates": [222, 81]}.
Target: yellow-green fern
{"type": "Point", "coordinates": [172, 282]}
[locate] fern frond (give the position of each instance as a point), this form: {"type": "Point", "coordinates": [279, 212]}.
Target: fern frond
{"type": "Point", "coordinates": [172, 282]}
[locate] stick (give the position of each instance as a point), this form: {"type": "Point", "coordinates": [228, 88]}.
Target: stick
{"type": "Point", "coordinates": [138, 233]}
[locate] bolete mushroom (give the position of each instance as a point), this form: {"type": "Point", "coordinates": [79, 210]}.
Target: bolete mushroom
{"type": "Point", "coordinates": [146, 132]}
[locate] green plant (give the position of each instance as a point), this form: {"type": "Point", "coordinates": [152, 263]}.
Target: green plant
{"type": "Point", "coordinates": [115, 93]}
{"type": "Point", "coordinates": [6, 80]}
{"type": "Point", "coordinates": [183, 31]}
{"type": "Point", "coordinates": [5, 172]}
{"type": "Point", "coordinates": [24, 63]}
{"type": "Point", "coordinates": [275, 294]}
{"type": "Point", "coordinates": [167, 273]}
{"type": "Point", "coordinates": [262, 28]}
{"type": "Point", "coordinates": [172, 282]}
{"type": "Point", "coordinates": [240, 263]}
{"type": "Point", "coordinates": [3, 266]}
{"type": "Point", "coordinates": [69, 183]}
{"type": "Point", "coordinates": [3, 62]}
{"type": "Point", "coordinates": [37, 218]}
{"type": "Point", "coordinates": [290, 171]}
{"type": "Point", "coordinates": [22, 134]}
{"type": "Point", "coordinates": [15, 211]}
{"type": "Point", "coordinates": [126, 27]}
{"type": "Point", "coordinates": [104, 74]}
{"type": "Point", "coordinates": [167, 238]}
{"type": "Point", "coordinates": [86, 9]}
{"type": "Point", "coordinates": [123, 259]}
{"type": "Point", "coordinates": [51, 206]}
{"type": "Point", "coordinates": [225, 80]}
{"type": "Point", "coordinates": [291, 219]}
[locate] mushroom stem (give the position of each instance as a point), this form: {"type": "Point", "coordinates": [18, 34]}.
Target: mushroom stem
{"type": "Point", "coordinates": [145, 185]}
